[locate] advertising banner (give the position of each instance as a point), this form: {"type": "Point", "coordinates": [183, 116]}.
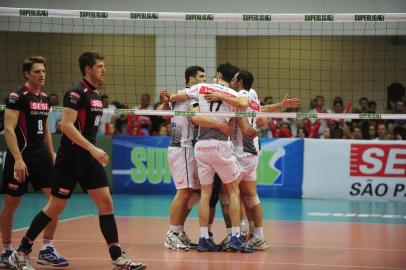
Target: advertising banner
{"type": "Point", "coordinates": [140, 166]}
{"type": "Point", "coordinates": [352, 169]}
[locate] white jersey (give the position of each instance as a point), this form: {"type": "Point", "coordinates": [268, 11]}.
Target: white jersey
{"type": "Point", "coordinates": [241, 142]}
{"type": "Point", "coordinates": [181, 126]}
{"type": "Point", "coordinates": [196, 93]}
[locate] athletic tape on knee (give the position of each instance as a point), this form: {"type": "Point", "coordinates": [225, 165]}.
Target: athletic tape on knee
{"type": "Point", "coordinates": [251, 201]}
{"type": "Point", "coordinates": [224, 199]}
{"type": "Point", "coordinates": [193, 200]}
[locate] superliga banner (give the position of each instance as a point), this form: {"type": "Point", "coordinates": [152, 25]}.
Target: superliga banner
{"type": "Point", "coordinates": [352, 169]}
{"type": "Point", "coordinates": [140, 166]}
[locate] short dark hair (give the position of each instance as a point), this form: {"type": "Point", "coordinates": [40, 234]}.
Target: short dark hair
{"type": "Point", "coordinates": [192, 71]}
{"type": "Point", "coordinates": [246, 77]}
{"type": "Point", "coordinates": [88, 59]}
{"type": "Point", "coordinates": [30, 61]}
{"type": "Point", "coordinates": [104, 96]}
{"type": "Point", "coordinates": [227, 71]}
{"type": "Point", "coordinates": [372, 103]}
{"type": "Point", "coordinates": [361, 99]}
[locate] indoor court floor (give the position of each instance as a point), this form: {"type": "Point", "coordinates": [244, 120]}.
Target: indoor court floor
{"type": "Point", "coordinates": [303, 234]}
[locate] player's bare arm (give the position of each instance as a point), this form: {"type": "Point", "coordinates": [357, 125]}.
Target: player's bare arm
{"type": "Point", "coordinates": [210, 123]}
{"type": "Point", "coordinates": [164, 96]}
{"type": "Point", "coordinates": [246, 128]}
{"type": "Point", "coordinates": [285, 103]}
{"type": "Point", "coordinates": [237, 102]}
{"type": "Point", "coordinates": [10, 123]}
{"type": "Point", "coordinates": [178, 97]}
{"type": "Point", "coordinates": [69, 117]}
{"type": "Point", "coordinates": [48, 142]}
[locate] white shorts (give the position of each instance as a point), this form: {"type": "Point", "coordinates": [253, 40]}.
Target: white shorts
{"type": "Point", "coordinates": [248, 163]}
{"type": "Point", "coordinates": [182, 165]}
{"type": "Point", "coordinates": [214, 156]}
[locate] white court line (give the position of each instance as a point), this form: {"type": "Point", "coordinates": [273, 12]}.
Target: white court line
{"type": "Point", "coordinates": [327, 214]}
{"type": "Point", "coordinates": [275, 246]}
{"type": "Point", "coordinates": [246, 262]}
{"type": "Point", "coordinates": [60, 221]}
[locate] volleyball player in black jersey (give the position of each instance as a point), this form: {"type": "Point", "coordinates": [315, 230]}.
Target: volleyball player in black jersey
{"type": "Point", "coordinates": [30, 156]}
{"type": "Point", "coordinates": [79, 160]}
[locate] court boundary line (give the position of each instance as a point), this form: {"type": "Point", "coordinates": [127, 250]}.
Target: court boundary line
{"type": "Point", "coordinates": [60, 221]}
{"type": "Point", "coordinates": [155, 242]}
{"type": "Point", "coordinates": [274, 246]}
{"type": "Point", "coordinates": [278, 220]}
{"type": "Point", "coordinates": [248, 262]}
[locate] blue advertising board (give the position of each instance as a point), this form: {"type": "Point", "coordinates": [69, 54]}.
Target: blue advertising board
{"type": "Point", "coordinates": [140, 166]}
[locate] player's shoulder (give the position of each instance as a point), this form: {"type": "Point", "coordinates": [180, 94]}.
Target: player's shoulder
{"type": "Point", "coordinates": [18, 92]}
{"type": "Point", "coordinates": [77, 88]}
{"type": "Point", "coordinates": [253, 93]}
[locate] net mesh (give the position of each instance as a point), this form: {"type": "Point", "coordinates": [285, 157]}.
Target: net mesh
{"type": "Point", "coordinates": [303, 55]}
{"type": "Point", "coordinates": [146, 52]}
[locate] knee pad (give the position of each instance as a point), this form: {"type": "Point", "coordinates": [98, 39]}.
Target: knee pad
{"type": "Point", "coordinates": [193, 200]}
{"type": "Point", "coordinates": [251, 201]}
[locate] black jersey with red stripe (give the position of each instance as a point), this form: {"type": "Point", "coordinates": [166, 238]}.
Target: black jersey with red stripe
{"type": "Point", "coordinates": [85, 99]}
{"type": "Point", "coordinates": [33, 113]}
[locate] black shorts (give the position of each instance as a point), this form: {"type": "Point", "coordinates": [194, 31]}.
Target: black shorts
{"type": "Point", "coordinates": [40, 169]}
{"type": "Point", "coordinates": [73, 164]}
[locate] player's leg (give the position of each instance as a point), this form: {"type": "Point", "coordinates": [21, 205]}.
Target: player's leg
{"type": "Point", "coordinates": [6, 223]}
{"type": "Point", "coordinates": [205, 242]}
{"type": "Point", "coordinates": [52, 210]}
{"type": "Point", "coordinates": [95, 181]}
{"type": "Point", "coordinates": [180, 171]}
{"type": "Point", "coordinates": [48, 255]}
{"type": "Point", "coordinates": [108, 227]}
{"type": "Point", "coordinates": [206, 172]}
{"type": "Point", "coordinates": [250, 196]}
{"type": "Point", "coordinates": [230, 173]}
{"type": "Point", "coordinates": [13, 192]}
{"type": "Point", "coordinates": [177, 217]}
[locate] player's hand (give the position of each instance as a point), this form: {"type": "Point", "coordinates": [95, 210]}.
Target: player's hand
{"type": "Point", "coordinates": [53, 157]}
{"type": "Point", "coordinates": [290, 102]}
{"type": "Point", "coordinates": [20, 170]}
{"type": "Point", "coordinates": [100, 156]}
{"type": "Point", "coordinates": [164, 96]}
{"type": "Point", "coordinates": [212, 96]}
{"type": "Point", "coordinates": [225, 128]}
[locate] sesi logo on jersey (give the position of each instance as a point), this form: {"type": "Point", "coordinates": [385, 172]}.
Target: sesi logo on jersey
{"type": "Point", "coordinates": [39, 106]}
{"type": "Point", "coordinates": [96, 103]}
{"type": "Point", "coordinates": [378, 160]}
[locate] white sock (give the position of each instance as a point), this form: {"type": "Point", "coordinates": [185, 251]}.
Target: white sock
{"type": "Point", "coordinates": [204, 232]}
{"type": "Point", "coordinates": [228, 230]}
{"type": "Point", "coordinates": [244, 225]}
{"type": "Point", "coordinates": [180, 228]}
{"type": "Point", "coordinates": [47, 242]}
{"type": "Point", "coordinates": [259, 232]}
{"type": "Point", "coordinates": [7, 246]}
{"type": "Point", "coordinates": [235, 231]}
{"type": "Point", "coordinates": [173, 228]}
{"type": "Point", "coordinates": [252, 226]}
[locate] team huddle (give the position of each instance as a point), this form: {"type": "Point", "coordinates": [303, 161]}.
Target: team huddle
{"type": "Point", "coordinates": [211, 159]}
{"type": "Point", "coordinates": [220, 158]}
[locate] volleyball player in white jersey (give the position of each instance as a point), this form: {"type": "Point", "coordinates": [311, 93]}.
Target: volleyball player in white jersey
{"type": "Point", "coordinates": [214, 154]}
{"type": "Point", "coordinates": [246, 149]}
{"type": "Point", "coordinates": [182, 164]}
